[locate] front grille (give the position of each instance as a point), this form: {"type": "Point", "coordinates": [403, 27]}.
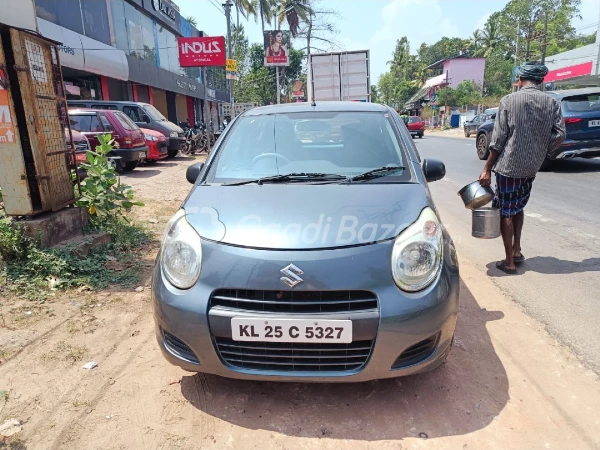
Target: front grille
{"type": "Point", "coordinates": [162, 147]}
{"type": "Point", "coordinates": [417, 353]}
{"type": "Point", "coordinates": [81, 146]}
{"type": "Point", "coordinates": [304, 302]}
{"type": "Point", "coordinates": [297, 357]}
{"type": "Point", "coordinates": [179, 347]}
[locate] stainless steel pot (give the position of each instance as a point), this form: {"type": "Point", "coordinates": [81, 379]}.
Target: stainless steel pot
{"type": "Point", "coordinates": [485, 223]}
{"type": "Point", "coordinates": [474, 195]}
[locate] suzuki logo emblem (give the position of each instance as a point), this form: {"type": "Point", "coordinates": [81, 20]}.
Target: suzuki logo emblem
{"type": "Point", "coordinates": [291, 279]}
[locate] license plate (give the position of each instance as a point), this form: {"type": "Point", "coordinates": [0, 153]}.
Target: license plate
{"type": "Point", "coordinates": [413, 132]}
{"type": "Point", "coordinates": [594, 123]}
{"type": "Point", "coordinates": [291, 330]}
{"type": "Point", "coordinates": [142, 155]}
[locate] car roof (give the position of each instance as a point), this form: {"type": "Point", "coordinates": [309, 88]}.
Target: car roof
{"type": "Point", "coordinates": [574, 92]}
{"type": "Point", "coordinates": [107, 102]}
{"type": "Point", "coordinates": [90, 110]}
{"type": "Point", "coordinates": [287, 108]}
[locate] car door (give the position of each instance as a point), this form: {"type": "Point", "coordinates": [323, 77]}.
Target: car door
{"type": "Point", "coordinates": [474, 124]}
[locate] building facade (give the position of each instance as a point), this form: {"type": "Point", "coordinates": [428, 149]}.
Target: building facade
{"type": "Point", "coordinates": [127, 50]}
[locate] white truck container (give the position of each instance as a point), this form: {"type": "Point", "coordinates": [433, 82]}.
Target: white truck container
{"type": "Point", "coordinates": [336, 76]}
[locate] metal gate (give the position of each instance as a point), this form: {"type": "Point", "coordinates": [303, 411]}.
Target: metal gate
{"type": "Point", "coordinates": [42, 96]}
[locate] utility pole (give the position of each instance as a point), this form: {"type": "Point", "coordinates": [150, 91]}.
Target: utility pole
{"type": "Point", "coordinates": [545, 41]}
{"type": "Point", "coordinates": [514, 88]}
{"type": "Point", "coordinates": [206, 111]}
{"type": "Point", "coordinates": [278, 90]}
{"type": "Point", "coordinates": [446, 98]}
{"type": "Point", "coordinates": [227, 5]}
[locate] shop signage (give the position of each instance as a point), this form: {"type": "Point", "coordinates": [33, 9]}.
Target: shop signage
{"type": "Point", "coordinates": [565, 73]}
{"type": "Point", "coordinates": [201, 51]}
{"type": "Point", "coordinates": [164, 8]}
{"type": "Point", "coordinates": [231, 69]}
{"type": "Point", "coordinates": [186, 85]}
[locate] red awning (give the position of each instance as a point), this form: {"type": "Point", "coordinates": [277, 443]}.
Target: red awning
{"type": "Point", "coordinates": [565, 73]}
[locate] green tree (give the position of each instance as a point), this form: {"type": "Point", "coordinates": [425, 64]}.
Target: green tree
{"type": "Point", "coordinates": [293, 11]}
{"type": "Point", "coordinates": [265, 11]}
{"type": "Point", "coordinates": [246, 8]}
{"type": "Point", "coordinates": [192, 20]}
{"type": "Point", "coordinates": [375, 94]}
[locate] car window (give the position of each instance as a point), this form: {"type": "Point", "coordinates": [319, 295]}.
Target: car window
{"type": "Point", "coordinates": [414, 119]}
{"type": "Point", "coordinates": [581, 103]}
{"type": "Point", "coordinates": [154, 113]}
{"type": "Point", "coordinates": [105, 122]}
{"type": "Point", "coordinates": [125, 121]}
{"type": "Point", "coordinates": [81, 122]}
{"type": "Point", "coordinates": [109, 107]}
{"type": "Point", "coordinates": [135, 113]}
{"type": "Point", "coordinates": [95, 125]}
{"type": "Point", "coordinates": [343, 143]}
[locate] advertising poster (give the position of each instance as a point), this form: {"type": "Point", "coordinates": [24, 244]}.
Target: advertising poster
{"type": "Point", "coordinates": [277, 48]}
{"type": "Point", "coordinates": [231, 69]}
{"type": "Point", "coordinates": [201, 51]}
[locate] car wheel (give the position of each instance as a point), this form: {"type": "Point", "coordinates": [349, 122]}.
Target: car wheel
{"type": "Point", "coordinates": [467, 133]}
{"type": "Point", "coordinates": [482, 147]}
{"type": "Point", "coordinates": [116, 163]}
{"type": "Point", "coordinates": [131, 165]}
{"type": "Point", "coordinates": [421, 136]}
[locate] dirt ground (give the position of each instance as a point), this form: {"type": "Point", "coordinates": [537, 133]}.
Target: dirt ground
{"type": "Point", "coordinates": [506, 384]}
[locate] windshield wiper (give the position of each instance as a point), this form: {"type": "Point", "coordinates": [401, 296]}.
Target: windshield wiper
{"type": "Point", "coordinates": [300, 176]}
{"type": "Point", "coordinates": [375, 173]}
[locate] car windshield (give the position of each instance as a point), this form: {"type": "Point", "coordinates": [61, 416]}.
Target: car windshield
{"type": "Point", "coordinates": [581, 103]}
{"type": "Point", "coordinates": [414, 119]}
{"type": "Point", "coordinates": [333, 143]}
{"type": "Point", "coordinates": [154, 113]}
{"type": "Point", "coordinates": [125, 121]}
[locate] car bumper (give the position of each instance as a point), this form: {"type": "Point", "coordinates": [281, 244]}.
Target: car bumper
{"type": "Point", "coordinates": [131, 154]}
{"type": "Point", "coordinates": [399, 323]}
{"type": "Point", "coordinates": [579, 149]}
{"type": "Point", "coordinates": [416, 132]}
{"type": "Point", "coordinates": [157, 151]}
{"type": "Point", "coordinates": [176, 143]}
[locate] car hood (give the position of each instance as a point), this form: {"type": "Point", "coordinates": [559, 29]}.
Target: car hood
{"type": "Point", "coordinates": [304, 216]}
{"type": "Point", "coordinates": [169, 126]}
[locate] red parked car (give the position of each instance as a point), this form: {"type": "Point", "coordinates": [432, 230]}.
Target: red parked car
{"type": "Point", "coordinates": [157, 145]}
{"type": "Point", "coordinates": [416, 126]}
{"type": "Point", "coordinates": [131, 141]}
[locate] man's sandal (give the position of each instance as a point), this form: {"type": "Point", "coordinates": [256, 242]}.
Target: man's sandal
{"type": "Point", "coordinates": [501, 265]}
{"type": "Point", "coordinates": [519, 259]}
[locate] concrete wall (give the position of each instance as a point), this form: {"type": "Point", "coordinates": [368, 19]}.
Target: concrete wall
{"type": "Point", "coordinates": [462, 69]}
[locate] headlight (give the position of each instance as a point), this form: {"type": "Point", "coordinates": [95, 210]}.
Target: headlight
{"type": "Point", "coordinates": [181, 252]}
{"type": "Point", "coordinates": [417, 253]}
{"type": "Point", "coordinates": [173, 134]}
{"type": "Point", "coordinates": [149, 137]}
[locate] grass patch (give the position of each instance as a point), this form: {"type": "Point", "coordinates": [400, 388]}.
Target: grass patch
{"type": "Point", "coordinates": [35, 273]}
{"type": "Point", "coordinates": [66, 352]}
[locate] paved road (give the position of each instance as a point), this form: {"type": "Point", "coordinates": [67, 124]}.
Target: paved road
{"type": "Point", "coordinates": [560, 282]}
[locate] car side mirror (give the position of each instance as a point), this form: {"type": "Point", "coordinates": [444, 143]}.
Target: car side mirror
{"type": "Point", "coordinates": [434, 169]}
{"type": "Point", "coordinates": [193, 172]}
{"type": "Point", "coordinates": [145, 118]}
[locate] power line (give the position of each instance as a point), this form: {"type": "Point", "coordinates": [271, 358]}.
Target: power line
{"type": "Point", "coordinates": [216, 5]}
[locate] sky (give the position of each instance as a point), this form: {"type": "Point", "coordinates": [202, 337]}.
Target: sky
{"type": "Point", "coordinates": [376, 24]}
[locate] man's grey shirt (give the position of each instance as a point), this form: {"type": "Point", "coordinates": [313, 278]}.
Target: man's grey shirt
{"type": "Point", "coordinates": [529, 126]}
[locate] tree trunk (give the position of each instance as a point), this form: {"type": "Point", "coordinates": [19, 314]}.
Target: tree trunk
{"type": "Point", "coordinates": [309, 35]}
{"type": "Point", "coordinates": [238, 16]}
{"type": "Point", "coordinates": [262, 19]}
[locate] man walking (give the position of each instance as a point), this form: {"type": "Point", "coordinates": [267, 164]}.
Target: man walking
{"type": "Point", "coordinates": [529, 127]}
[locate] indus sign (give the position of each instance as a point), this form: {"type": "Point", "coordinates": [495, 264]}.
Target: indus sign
{"type": "Point", "coordinates": [201, 51]}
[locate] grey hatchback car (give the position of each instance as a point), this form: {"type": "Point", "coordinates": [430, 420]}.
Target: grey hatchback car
{"type": "Point", "coordinates": [309, 249]}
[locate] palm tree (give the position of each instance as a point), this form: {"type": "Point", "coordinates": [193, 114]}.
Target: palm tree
{"type": "Point", "coordinates": [475, 41]}
{"type": "Point", "coordinates": [192, 20]}
{"type": "Point", "coordinates": [244, 7]}
{"type": "Point", "coordinates": [293, 11]}
{"type": "Point", "coordinates": [490, 34]}
{"type": "Point", "coordinates": [265, 9]}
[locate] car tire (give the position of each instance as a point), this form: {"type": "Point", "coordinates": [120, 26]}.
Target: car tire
{"type": "Point", "coordinates": [116, 163]}
{"type": "Point", "coordinates": [421, 136]}
{"type": "Point", "coordinates": [173, 153]}
{"type": "Point", "coordinates": [467, 133]}
{"type": "Point", "coordinates": [483, 152]}
{"type": "Point", "coordinates": [131, 165]}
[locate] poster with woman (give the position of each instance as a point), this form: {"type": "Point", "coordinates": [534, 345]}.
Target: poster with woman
{"type": "Point", "coordinates": [277, 48]}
